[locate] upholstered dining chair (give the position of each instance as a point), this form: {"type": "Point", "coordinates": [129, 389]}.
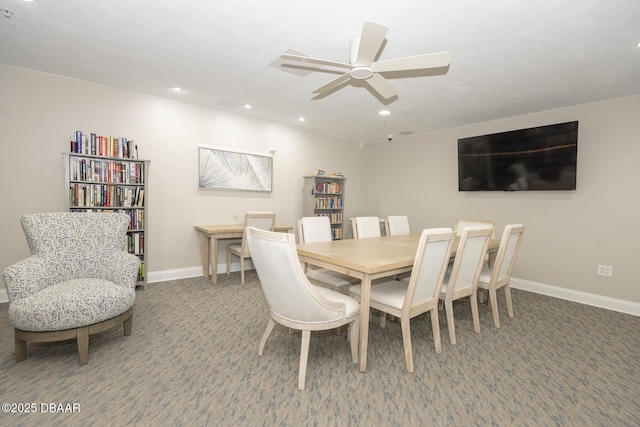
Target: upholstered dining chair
{"type": "Point", "coordinates": [499, 276]}
{"type": "Point", "coordinates": [421, 293]}
{"type": "Point", "coordinates": [462, 223]}
{"type": "Point", "coordinates": [396, 225]}
{"type": "Point", "coordinates": [365, 226]}
{"type": "Point", "coordinates": [78, 280]}
{"type": "Point", "coordinates": [261, 220]}
{"type": "Point", "coordinates": [462, 277]}
{"type": "Point", "coordinates": [293, 301]}
{"type": "Point", "coordinates": [318, 229]}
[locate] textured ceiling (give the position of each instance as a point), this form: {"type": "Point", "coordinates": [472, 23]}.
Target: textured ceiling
{"type": "Point", "coordinates": [508, 57]}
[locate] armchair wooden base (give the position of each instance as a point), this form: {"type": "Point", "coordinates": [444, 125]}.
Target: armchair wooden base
{"type": "Point", "coordinates": [81, 335]}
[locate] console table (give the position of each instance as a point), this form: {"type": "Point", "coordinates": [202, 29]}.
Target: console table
{"type": "Point", "coordinates": [209, 236]}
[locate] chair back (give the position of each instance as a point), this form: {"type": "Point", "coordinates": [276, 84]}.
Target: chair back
{"type": "Point", "coordinates": [430, 265]}
{"type": "Point", "coordinates": [470, 256]}
{"type": "Point", "coordinates": [365, 226]}
{"type": "Point", "coordinates": [288, 292]}
{"type": "Point", "coordinates": [314, 229]}
{"type": "Point", "coordinates": [461, 224]}
{"type": "Point", "coordinates": [260, 220]}
{"type": "Point", "coordinates": [507, 252]}
{"type": "Point", "coordinates": [71, 242]}
{"type": "Point", "coordinates": [396, 225]}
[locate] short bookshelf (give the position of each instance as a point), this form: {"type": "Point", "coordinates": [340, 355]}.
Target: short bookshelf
{"type": "Point", "coordinates": [111, 183]}
{"type": "Point", "coordinates": [324, 196]}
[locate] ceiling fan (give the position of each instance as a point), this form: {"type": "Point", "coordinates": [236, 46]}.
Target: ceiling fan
{"type": "Point", "coordinates": [361, 66]}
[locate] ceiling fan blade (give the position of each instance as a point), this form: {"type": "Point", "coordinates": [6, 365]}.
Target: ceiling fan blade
{"type": "Point", "coordinates": [371, 39]}
{"type": "Point", "coordinates": [382, 86]}
{"type": "Point", "coordinates": [333, 83]}
{"type": "Point", "coordinates": [418, 62]}
{"type": "Point", "coordinates": [314, 60]}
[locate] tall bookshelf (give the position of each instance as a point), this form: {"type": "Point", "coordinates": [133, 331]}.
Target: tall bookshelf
{"type": "Point", "coordinates": [108, 178]}
{"type": "Point", "coordinates": [324, 196]}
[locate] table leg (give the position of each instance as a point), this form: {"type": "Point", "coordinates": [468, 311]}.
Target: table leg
{"type": "Point", "coordinates": [204, 254]}
{"type": "Point", "coordinates": [365, 297]}
{"type": "Point", "coordinates": [213, 251]}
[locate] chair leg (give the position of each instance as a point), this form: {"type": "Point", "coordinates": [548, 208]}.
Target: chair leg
{"type": "Point", "coordinates": [21, 350]}
{"type": "Point", "coordinates": [448, 307]}
{"type": "Point", "coordinates": [507, 295]}
{"type": "Point", "coordinates": [128, 326]}
{"type": "Point", "coordinates": [474, 312]}
{"type": "Point", "coordinates": [228, 263]}
{"type": "Point", "coordinates": [383, 320]}
{"type": "Point", "coordinates": [493, 298]}
{"type": "Point", "coordinates": [82, 336]}
{"type": "Point", "coordinates": [304, 355]}
{"type": "Point", "coordinates": [405, 324]}
{"type": "Point", "coordinates": [481, 297]}
{"type": "Point", "coordinates": [354, 335]}
{"type": "Point", "coordinates": [270, 325]}
{"type": "Point", "coordinates": [435, 327]}
{"type": "Point", "coordinates": [242, 270]}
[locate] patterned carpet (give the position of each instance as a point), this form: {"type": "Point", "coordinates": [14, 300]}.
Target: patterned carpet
{"type": "Point", "coordinates": [192, 361]}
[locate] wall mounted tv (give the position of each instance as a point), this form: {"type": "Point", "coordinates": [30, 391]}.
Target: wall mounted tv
{"type": "Point", "coordinates": [535, 159]}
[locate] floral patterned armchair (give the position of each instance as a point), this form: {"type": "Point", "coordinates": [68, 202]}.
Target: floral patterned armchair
{"type": "Point", "coordinates": [78, 280]}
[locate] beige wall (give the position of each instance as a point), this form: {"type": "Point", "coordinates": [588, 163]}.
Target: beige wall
{"type": "Point", "coordinates": [569, 232]}
{"type": "Point", "coordinates": [38, 111]}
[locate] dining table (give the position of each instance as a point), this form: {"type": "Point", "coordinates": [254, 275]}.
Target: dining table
{"type": "Point", "coordinates": [209, 237]}
{"type": "Point", "coordinates": [368, 259]}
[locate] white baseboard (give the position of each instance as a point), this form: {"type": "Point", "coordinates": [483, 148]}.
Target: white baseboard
{"type": "Point", "coordinates": [185, 273]}
{"type": "Point", "coordinates": [608, 303]}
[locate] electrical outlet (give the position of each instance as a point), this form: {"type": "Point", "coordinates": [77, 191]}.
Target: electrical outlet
{"type": "Point", "coordinates": [605, 270]}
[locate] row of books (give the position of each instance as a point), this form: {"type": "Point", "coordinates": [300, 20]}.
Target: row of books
{"type": "Point", "coordinates": [335, 218]}
{"type": "Point", "coordinates": [97, 170]}
{"type": "Point", "coordinates": [328, 187]}
{"type": "Point", "coordinates": [136, 216]}
{"type": "Point", "coordinates": [101, 195]}
{"type": "Point", "coordinates": [135, 243]}
{"type": "Point", "coordinates": [327, 203]}
{"type": "Point", "coordinates": [141, 271]}
{"type": "Point", "coordinates": [98, 145]}
{"type": "Point", "coordinates": [336, 233]}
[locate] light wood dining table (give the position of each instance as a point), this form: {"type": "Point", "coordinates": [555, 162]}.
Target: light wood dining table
{"type": "Point", "coordinates": [367, 259]}
{"type": "Point", "coordinates": [209, 237]}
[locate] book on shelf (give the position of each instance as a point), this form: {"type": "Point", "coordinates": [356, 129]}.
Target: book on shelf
{"type": "Point", "coordinates": [100, 145]}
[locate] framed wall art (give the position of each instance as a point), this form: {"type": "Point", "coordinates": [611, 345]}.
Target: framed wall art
{"type": "Point", "coordinates": [231, 170]}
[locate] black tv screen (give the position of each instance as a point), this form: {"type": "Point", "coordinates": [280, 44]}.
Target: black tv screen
{"type": "Point", "coordinates": [534, 159]}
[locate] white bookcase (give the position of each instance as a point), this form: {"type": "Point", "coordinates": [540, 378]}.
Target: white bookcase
{"type": "Point", "coordinates": [99, 183]}
{"type": "Point", "coordinates": [324, 196]}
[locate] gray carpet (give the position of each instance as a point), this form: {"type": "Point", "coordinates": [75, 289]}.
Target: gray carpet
{"type": "Point", "coordinates": [192, 361]}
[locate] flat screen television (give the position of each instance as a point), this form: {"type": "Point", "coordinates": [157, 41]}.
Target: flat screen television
{"type": "Point", "coordinates": [535, 159]}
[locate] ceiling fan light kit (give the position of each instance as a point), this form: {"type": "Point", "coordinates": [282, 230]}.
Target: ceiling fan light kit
{"type": "Point", "coordinates": [362, 66]}
{"type": "Point", "coordinates": [361, 72]}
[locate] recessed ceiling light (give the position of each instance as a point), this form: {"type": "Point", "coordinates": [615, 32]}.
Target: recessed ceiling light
{"type": "Point", "coordinates": [384, 112]}
{"type": "Point", "coordinates": [302, 119]}
{"type": "Point", "coordinates": [176, 89]}
{"type": "Point", "coordinates": [248, 106]}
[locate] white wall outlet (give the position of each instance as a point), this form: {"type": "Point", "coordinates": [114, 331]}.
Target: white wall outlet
{"type": "Point", "coordinates": [605, 270]}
